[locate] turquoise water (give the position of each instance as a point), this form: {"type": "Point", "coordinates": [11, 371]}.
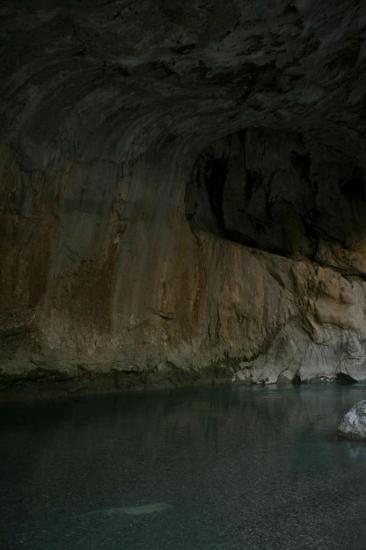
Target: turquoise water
{"type": "Point", "coordinates": [226, 468]}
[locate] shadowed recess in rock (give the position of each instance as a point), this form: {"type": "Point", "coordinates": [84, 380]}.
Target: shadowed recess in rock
{"type": "Point", "coordinates": [271, 191]}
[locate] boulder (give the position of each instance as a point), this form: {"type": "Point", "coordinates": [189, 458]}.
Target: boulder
{"type": "Point", "coordinates": [353, 424]}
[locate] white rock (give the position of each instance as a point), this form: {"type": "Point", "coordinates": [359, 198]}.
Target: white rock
{"type": "Point", "coordinates": [354, 422]}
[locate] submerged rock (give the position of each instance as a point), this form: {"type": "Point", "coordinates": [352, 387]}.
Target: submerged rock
{"type": "Point", "coordinates": [353, 424]}
{"type": "Point", "coordinates": [138, 510]}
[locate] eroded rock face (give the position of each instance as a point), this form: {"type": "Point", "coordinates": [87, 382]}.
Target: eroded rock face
{"type": "Point", "coordinates": [353, 424]}
{"type": "Point", "coordinates": [270, 190]}
{"type": "Point", "coordinates": [182, 193]}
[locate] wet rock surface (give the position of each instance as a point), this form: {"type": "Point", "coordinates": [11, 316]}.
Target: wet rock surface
{"type": "Point", "coordinates": [353, 425]}
{"type": "Point", "coordinates": [182, 193]}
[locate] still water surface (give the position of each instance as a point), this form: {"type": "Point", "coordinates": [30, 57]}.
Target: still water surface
{"type": "Point", "coordinates": [227, 468]}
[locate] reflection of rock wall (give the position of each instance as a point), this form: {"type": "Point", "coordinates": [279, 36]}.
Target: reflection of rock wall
{"type": "Point", "coordinates": [102, 274]}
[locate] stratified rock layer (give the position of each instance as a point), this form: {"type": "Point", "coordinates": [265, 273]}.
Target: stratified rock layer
{"type": "Point", "coordinates": [182, 193]}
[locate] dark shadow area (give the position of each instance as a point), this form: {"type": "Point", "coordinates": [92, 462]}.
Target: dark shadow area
{"type": "Point", "coordinates": [267, 190]}
{"type": "Point", "coordinates": [215, 178]}
{"type": "Point", "coordinates": [345, 379]}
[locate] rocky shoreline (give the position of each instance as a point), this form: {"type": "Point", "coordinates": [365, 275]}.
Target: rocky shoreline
{"type": "Point", "coordinates": [43, 383]}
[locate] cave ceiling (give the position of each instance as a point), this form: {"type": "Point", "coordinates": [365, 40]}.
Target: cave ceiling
{"type": "Point", "coordinates": [109, 79]}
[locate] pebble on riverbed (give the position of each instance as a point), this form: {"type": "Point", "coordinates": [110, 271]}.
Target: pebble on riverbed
{"type": "Point", "coordinates": [353, 424]}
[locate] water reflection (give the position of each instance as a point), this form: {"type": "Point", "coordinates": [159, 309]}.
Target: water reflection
{"type": "Point", "coordinates": [225, 468]}
{"type": "Point", "coordinates": [357, 451]}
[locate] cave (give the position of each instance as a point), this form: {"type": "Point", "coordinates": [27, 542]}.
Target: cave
{"type": "Point", "coordinates": [184, 208]}
{"type": "Point", "coordinates": [183, 205]}
{"type": "Point", "coordinates": [267, 190]}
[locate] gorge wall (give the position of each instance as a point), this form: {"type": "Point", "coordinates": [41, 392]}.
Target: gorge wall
{"type": "Point", "coordinates": [182, 193]}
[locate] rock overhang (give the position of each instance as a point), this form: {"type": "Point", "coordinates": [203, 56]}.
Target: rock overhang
{"type": "Point", "coordinates": [106, 107]}
{"type": "Point", "coordinates": [82, 79]}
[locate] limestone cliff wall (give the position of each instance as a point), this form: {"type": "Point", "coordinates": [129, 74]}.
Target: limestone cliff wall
{"type": "Point", "coordinates": [105, 272]}
{"type": "Point", "coordinates": [182, 192]}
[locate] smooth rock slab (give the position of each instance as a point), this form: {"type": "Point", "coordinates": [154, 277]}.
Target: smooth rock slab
{"type": "Point", "coordinates": [353, 424]}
